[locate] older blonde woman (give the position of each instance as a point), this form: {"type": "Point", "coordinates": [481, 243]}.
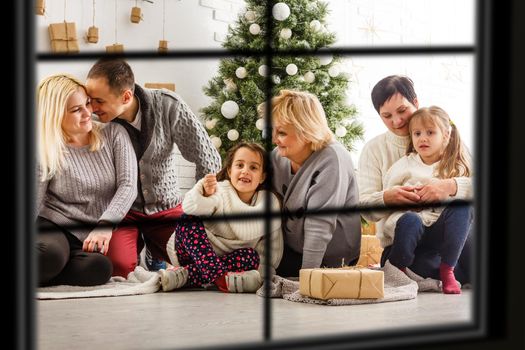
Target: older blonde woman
{"type": "Point", "coordinates": [312, 171]}
{"type": "Point", "coordinates": [87, 178]}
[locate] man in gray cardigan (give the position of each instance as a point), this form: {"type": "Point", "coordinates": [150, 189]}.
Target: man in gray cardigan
{"type": "Point", "coordinates": [155, 120]}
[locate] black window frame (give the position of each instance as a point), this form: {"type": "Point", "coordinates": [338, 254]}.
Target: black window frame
{"type": "Point", "coordinates": [493, 45]}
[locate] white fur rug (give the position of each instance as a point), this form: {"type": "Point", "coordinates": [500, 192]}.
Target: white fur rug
{"type": "Point", "coordinates": [139, 281]}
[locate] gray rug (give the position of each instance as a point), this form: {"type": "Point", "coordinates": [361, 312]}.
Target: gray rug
{"type": "Point", "coordinates": [398, 286]}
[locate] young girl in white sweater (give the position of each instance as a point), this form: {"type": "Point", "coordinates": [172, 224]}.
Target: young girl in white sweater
{"type": "Point", "coordinates": [225, 252]}
{"type": "Point", "coordinates": [435, 152]}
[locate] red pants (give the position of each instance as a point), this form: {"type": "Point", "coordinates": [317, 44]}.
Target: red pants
{"type": "Point", "coordinates": [126, 244]}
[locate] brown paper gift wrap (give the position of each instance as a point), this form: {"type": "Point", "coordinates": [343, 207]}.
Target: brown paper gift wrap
{"type": "Point", "coordinates": [169, 86]}
{"type": "Point", "coordinates": [342, 283]}
{"type": "Point", "coordinates": [369, 228]}
{"type": "Point", "coordinates": [135, 15]}
{"type": "Point", "coordinates": [163, 46]}
{"type": "Point", "coordinates": [40, 7]}
{"type": "Point", "coordinates": [92, 35]}
{"type": "Point", "coordinates": [115, 48]}
{"type": "Point", "coordinates": [63, 37]}
{"type": "Point", "coordinates": [370, 251]}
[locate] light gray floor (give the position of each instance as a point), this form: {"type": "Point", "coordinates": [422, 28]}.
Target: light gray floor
{"type": "Point", "coordinates": [185, 319]}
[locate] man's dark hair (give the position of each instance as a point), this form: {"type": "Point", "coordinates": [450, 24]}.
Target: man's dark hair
{"type": "Point", "coordinates": [389, 86]}
{"type": "Point", "coordinates": [118, 73]}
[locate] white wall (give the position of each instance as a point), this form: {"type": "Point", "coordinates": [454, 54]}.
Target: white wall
{"type": "Point", "coordinates": [444, 80]}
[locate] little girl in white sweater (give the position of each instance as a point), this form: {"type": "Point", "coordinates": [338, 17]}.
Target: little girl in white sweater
{"type": "Point", "coordinates": [228, 252]}
{"type": "Point", "coordinates": [435, 151]}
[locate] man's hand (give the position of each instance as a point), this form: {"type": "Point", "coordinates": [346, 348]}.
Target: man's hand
{"type": "Point", "coordinates": [210, 184]}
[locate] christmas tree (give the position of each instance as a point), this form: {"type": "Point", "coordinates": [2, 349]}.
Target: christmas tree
{"type": "Point", "coordinates": [239, 88]}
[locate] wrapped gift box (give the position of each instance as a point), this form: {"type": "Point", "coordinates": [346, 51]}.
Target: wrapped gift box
{"type": "Point", "coordinates": [368, 228]}
{"type": "Point", "coordinates": [370, 251]}
{"type": "Point", "coordinates": [136, 15]}
{"type": "Point", "coordinates": [169, 86]}
{"type": "Point", "coordinates": [40, 7]}
{"type": "Point", "coordinates": [63, 37]}
{"type": "Point", "coordinates": [342, 283]}
{"type": "Point", "coordinates": [92, 35]}
{"type": "Point", "coordinates": [163, 46]}
{"type": "Point", "coordinates": [115, 48]}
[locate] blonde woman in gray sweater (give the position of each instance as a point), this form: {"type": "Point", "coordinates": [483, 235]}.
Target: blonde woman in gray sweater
{"type": "Point", "coordinates": [312, 171]}
{"type": "Point", "coordinates": [87, 175]}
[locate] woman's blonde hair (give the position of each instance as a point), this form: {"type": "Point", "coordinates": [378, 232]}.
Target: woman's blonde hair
{"type": "Point", "coordinates": [53, 93]}
{"type": "Point", "coordinates": [305, 113]}
{"type": "Point", "coordinates": [455, 161]}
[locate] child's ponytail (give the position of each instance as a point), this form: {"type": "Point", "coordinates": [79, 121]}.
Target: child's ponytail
{"type": "Point", "coordinates": [456, 160]}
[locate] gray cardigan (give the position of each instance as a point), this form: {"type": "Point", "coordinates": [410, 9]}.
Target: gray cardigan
{"type": "Point", "coordinates": [167, 120]}
{"type": "Point", "coordinates": [326, 180]}
{"type": "Point", "coordinates": [92, 186]}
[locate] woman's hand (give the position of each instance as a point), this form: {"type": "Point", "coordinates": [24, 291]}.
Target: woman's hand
{"type": "Point", "coordinates": [401, 195]}
{"type": "Point", "coordinates": [436, 190]}
{"type": "Point", "coordinates": [209, 184]}
{"type": "Point", "coordinates": [98, 240]}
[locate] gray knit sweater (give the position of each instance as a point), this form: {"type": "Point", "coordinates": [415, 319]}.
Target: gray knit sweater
{"type": "Point", "coordinates": [325, 181]}
{"type": "Point", "coordinates": [92, 186]}
{"type": "Point", "coordinates": [167, 121]}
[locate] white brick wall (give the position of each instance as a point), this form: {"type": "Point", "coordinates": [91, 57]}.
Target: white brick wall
{"type": "Point", "coordinates": [224, 12]}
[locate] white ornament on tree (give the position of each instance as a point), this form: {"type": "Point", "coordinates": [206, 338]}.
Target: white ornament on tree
{"type": "Point", "coordinates": [210, 124]}
{"type": "Point", "coordinates": [309, 77]}
{"type": "Point", "coordinates": [250, 16]}
{"type": "Point", "coordinates": [263, 70]}
{"type": "Point", "coordinates": [259, 124]}
{"type": "Point", "coordinates": [291, 69]}
{"type": "Point", "coordinates": [276, 79]}
{"type": "Point", "coordinates": [340, 131]}
{"type": "Point", "coordinates": [326, 60]}
{"type": "Point", "coordinates": [285, 33]}
{"type": "Point", "coordinates": [255, 29]}
{"type": "Point", "coordinates": [229, 109]}
{"type": "Point", "coordinates": [216, 141]}
{"type": "Point", "coordinates": [241, 72]}
{"type": "Point", "coordinates": [233, 135]}
{"type": "Point", "coordinates": [280, 11]}
{"type": "Point", "coordinates": [334, 71]}
{"type": "Point", "coordinates": [315, 25]}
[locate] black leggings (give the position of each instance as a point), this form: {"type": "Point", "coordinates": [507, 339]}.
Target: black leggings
{"type": "Point", "coordinates": [61, 259]}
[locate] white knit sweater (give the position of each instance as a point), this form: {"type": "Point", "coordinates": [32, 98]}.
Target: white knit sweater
{"type": "Point", "coordinates": [228, 235]}
{"type": "Point", "coordinates": [378, 155]}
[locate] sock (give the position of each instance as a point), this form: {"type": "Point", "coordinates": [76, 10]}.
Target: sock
{"type": "Point", "coordinates": [450, 285]}
{"type": "Point", "coordinates": [221, 283]}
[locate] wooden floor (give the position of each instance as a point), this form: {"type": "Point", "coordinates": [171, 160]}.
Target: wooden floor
{"type": "Point", "coordinates": [186, 319]}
